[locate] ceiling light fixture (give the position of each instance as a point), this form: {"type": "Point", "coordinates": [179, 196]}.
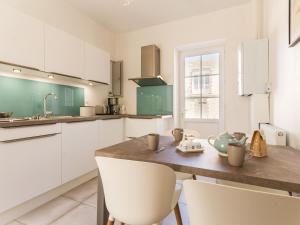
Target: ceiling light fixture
{"type": "Point", "coordinates": [50, 76]}
{"type": "Point", "coordinates": [91, 84]}
{"type": "Point", "coordinates": [126, 2]}
{"type": "Point", "coordinates": [16, 70]}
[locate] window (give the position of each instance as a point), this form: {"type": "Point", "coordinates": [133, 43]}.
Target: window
{"type": "Point", "coordinates": [201, 79]}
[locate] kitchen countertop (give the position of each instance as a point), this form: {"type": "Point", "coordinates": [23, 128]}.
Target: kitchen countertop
{"type": "Point", "coordinates": [65, 119]}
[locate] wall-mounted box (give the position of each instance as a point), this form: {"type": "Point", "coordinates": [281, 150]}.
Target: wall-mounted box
{"type": "Point", "coordinates": [253, 67]}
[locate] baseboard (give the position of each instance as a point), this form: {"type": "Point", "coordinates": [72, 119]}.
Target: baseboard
{"type": "Point", "coordinates": [34, 203]}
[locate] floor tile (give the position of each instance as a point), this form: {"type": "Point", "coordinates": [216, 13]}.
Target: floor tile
{"type": "Point", "coordinates": [48, 212]}
{"type": "Point", "coordinates": [81, 215]}
{"type": "Point", "coordinates": [14, 223]}
{"type": "Point", "coordinates": [84, 191]}
{"type": "Point", "coordinates": [92, 201]}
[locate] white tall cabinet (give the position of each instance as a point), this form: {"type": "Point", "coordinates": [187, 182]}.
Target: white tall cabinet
{"type": "Point", "coordinates": [79, 143]}
{"type": "Point", "coordinates": [64, 53]}
{"type": "Point", "coordinates": [21, 39]}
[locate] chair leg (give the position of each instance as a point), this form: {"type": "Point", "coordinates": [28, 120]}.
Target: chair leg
{"type": "Point", "coordinates": [194, 177]}
{"type": "Point", "coordinates": [178, 215]}
{"type": "Point", "coordinates": [110, 222]}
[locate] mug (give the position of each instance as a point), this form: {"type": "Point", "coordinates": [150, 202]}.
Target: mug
{"type": "Point", "coordinates": [236, 154]}
{"type": "Point", "coordinates": [153, 141]}
{"type": "Point", "coordinates": [239, 135]}
{"type": "Point", "coordinates": [177, 134]}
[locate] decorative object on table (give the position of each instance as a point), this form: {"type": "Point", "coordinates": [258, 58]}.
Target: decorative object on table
{"type": "Point", "coordinates": [177, 134]}
{"type": "Point", "coordinates": [221, 142]}
{"type": "Point", "coordinates": [236, 154]}
{"type": "Point", "coordinates": [258, 145]}
{"type": "Point", "coordinates": [153, 141]}
{"type": "Point", "coordinates": [294, 22]}
{"type": "Point", "coordinates": [190, 145]}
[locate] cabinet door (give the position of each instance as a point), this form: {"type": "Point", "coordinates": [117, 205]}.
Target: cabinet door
{"type": "Point", "coordinates": [111, 132]}
{"type": "Point", "coordinates": [28, 168]}
{"type": "Point", "coordinates": [21, 39]}
{"type": "Point", "coordinates": [79, 143]}
{"type": "Point", "coordinates": [97, 64]}
{"type": "Point", "coordinates": [140, 127]}
{"type": "Point", "coordinates": [64, 53]}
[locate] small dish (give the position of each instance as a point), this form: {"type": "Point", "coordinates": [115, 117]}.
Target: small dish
{"type": "Point", "coordinates": [189, 150]}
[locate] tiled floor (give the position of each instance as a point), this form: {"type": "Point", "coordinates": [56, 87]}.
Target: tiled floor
{"type": "Point", "coordinates": [78, 207]}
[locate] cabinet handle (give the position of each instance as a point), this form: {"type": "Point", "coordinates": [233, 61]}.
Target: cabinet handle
{"type": "Point", "coordinates": [28, 138]}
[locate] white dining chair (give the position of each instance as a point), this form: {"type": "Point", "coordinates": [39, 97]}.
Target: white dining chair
{"type": "Point", "coordinates": [138, 193]}
{"type": "Point", "coordinates": [252, 187]}
{"type": "Point", "coordinates": [212, 204]}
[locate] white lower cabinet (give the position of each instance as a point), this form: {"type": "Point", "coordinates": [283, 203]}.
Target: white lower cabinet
{"type": "Point", "coordinates": [79, 143]}
{"type": "Point", "coordinates": [110, 132]}
{"type": "Point", "coordinates": [29, 166]}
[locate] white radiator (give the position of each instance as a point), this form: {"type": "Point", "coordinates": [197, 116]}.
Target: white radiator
{"type": "Point", "coordinates": [273, 135]}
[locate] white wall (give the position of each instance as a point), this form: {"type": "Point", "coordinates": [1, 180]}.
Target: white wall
{"type": "Point", "coordinates": [284, 70]}
{"type": "Point", "coordinates": [65, 17]}
{"type": "Point", "coordinates": [232, 25]}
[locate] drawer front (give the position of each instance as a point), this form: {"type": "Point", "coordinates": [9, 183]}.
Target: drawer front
{"type": "Point", "coordinates": [9, 134]}
{"type": "Point", "coordinates": [28, 168]}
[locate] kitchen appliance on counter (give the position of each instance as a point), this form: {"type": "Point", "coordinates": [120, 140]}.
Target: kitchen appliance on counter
{"type": "Point", "coordinates": [87, 111]}
{"type": "Point", "coordinates": [113, 107]}
{"type": "Point", "coordinates": [5, 114]}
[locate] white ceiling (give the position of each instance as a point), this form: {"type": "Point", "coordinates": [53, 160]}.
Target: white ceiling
{"type": "Point", "coordinates": [142, 13]}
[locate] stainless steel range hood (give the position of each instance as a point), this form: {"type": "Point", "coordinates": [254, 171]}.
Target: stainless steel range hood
{"type": "Point", "coordinates": [150, 63]}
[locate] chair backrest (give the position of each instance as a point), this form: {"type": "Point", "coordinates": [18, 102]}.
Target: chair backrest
{"type": "Point", "coordinates": [213, 204]}
{"type": "Point", "coordinates": [137, 193]}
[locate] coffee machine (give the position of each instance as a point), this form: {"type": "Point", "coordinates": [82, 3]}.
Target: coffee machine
{"type": "Point", "coordinates": [113, 107]}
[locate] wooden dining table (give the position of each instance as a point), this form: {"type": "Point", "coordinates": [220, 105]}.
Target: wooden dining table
{"type": "Point", "coordinates": [279, 170]}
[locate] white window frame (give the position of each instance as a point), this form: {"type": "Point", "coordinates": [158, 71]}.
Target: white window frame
{"type": "Point", "coordinates": [196, 52]}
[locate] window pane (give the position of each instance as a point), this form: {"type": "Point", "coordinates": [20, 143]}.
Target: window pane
{"type": "Point", "coordinates": [192, 66]}
{"type": "Point", "coordinates": [210, 108]}
{"type": "Point", "coordinates": [192, 86]}
{"type": "Point", "coordinates": [192, 108]}
{"type": "Point", "coordinates": [210, 86]}
{"type": "Point", "coordinates": [210, 64]}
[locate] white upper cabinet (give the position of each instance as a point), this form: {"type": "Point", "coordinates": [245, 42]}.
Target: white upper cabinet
{"type": "Point", "coordinates": [97, 64]}
{"type": "Point", "coordinates": [21, 39]}
{"type": "Point", "coordinates": [64, 53]}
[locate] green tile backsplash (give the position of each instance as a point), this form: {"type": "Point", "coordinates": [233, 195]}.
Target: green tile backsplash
{"type": "Point", "coordinates": [25, 97]}
{"type": "Point", "coordinates": [155, 100]}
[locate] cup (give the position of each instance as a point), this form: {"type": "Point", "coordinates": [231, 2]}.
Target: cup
{"type": "Point", "coordinates": [236, 154]}
{"type": "Point", "coordinates": [153, 141]}
{"type": "Point", "coordinates": [177, 134]}
{"type": "Point", "coordinates": [239, 135]}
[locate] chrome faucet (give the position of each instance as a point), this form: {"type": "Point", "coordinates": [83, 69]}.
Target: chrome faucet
{"type": "Point", "coordinates": [48, 113]}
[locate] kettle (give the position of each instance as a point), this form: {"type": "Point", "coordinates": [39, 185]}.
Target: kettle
{"type": "Point", "coordinates": [221, 142]}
